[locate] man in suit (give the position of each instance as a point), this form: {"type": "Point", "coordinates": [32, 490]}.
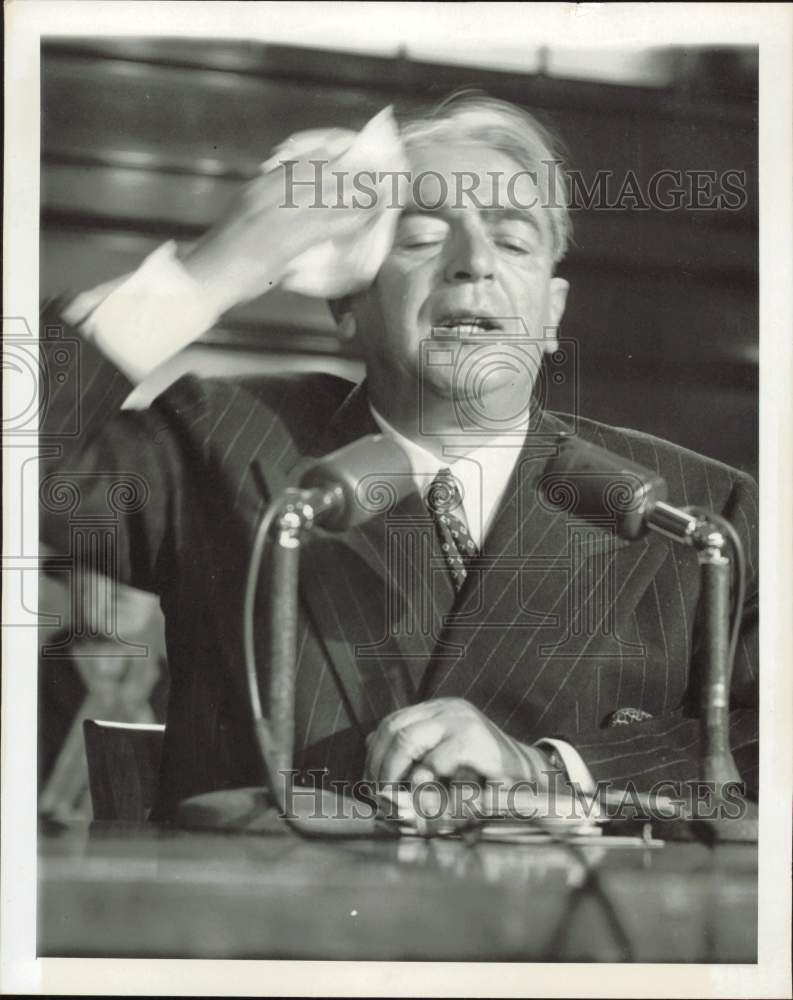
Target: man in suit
{"type": "Point", "coordinates": [471, 626]}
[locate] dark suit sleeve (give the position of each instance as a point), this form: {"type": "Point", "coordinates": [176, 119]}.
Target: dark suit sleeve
{"type": "Point", "coordinates": [666, 748]}
{"type": "Point", "coordinates": [106, 475]}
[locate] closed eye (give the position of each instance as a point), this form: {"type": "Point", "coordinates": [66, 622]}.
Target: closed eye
{"type": "Point", "coordinates": [513, 245]}
{"type": "Point", "coordinates": [428, 240]}
{"type": "Point", "coordinates": [519, 236]}
{"type": "Point", "coordinates": [417, 231]}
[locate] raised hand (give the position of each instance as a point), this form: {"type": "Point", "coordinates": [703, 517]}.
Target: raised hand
{"type": "Point", "coordinates": [292, 209]}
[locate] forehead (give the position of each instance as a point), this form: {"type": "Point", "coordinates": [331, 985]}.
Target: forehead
{"type": "Point", "coordinates": [468, 175]}
{"type": "Point", "coordinates": [459, 154]}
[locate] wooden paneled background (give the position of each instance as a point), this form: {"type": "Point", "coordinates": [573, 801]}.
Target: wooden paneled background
{"type": "Point", "coordinates": [147, 139]}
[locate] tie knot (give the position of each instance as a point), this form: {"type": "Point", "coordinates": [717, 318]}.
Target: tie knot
{"type": "Point", "coordinates": [444, 495]}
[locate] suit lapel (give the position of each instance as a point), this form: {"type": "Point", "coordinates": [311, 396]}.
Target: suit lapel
{"type": "Point", "coordinates": [534, 576]}
{"type": "Point", "coordinates": [493, 601]}
{"type": "Point", "coordinates": [382, 602]}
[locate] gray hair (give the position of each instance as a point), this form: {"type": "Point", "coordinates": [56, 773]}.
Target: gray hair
{"type": "Point", "coordinates": [511, 130]}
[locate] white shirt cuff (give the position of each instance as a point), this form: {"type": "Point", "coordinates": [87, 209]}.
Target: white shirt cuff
{"type": "Point", "coordinates": [573, 763]}
{"type": "Point", "coordinates": [141, 320]}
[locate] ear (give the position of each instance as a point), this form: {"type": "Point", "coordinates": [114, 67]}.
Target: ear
{"type": "Point", "coordinates": [557, 299]}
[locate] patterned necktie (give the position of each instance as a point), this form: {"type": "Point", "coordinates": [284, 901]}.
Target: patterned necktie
{"type": "Point", "coordinates": [443, 500]}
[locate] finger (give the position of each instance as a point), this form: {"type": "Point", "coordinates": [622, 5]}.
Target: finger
{"type": "Point", "coordinates": [377, 743]}
{"type": "Point", "coordinates": [430, 804]}
{"type": "Point", "coordinates": [425, 792]}
{"type": "Point", "coordinates": [387, 732]}
{"type": "Point", "coordinates": [471, 749]}
{"type": "Point", "coordinates": [421, 774]}
{"type": "Point", "coordinates": [408, 746]}
{"type": "Point", "coordinates": [448, 757]}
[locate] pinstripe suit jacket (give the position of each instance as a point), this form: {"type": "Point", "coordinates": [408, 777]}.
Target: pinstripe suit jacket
{"type": "Point", "coordinates": [557, 626]}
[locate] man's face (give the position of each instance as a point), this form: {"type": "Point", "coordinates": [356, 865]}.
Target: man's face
{"type": "Point", "coordinates": [475, 275]}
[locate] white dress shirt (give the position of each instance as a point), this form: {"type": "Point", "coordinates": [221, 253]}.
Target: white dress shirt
{"type": "Point", "coordinates": [146, 317]}
{"type": "Point", "coordinates": [481, 474]}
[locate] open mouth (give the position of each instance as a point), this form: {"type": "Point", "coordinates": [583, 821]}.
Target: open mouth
{"type": "Point", "coordinates": [463, 325]}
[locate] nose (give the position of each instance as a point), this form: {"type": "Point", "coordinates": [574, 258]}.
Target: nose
{"type": "Point", "coordinates": [470, 256]}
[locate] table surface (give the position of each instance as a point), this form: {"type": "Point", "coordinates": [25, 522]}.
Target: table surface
{"type": "Point", "coordinates": [145, 892]}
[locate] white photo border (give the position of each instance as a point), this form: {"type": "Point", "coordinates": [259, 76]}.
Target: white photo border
{"type": "Point", "coordinates": [587, 25]}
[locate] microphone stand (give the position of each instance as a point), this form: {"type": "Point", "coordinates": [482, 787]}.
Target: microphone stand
{"type": "Point", "coordinates": [289, 518]}
{"type": "Point", "coordinates": [293, 515]}
{"type": "Point", "coordinates": [329, 494]}
{"type": "Point", "coordinates": [589, 481]}
{"type": "Point", "coordinates": [705, 532]}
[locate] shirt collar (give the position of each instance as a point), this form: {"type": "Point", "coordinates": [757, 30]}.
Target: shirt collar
{"type": "Point", "coordinates": [482, 474]}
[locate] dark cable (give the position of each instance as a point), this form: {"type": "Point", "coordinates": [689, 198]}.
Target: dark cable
{"type": "Point", "coordinates": [470, 832]}
{"type": "Point", "coordinates": [593, 886]}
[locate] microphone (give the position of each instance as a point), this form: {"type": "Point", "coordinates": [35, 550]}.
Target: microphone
{"type": "Point", "coordinates": [342, 490]}
{"type": "Point", "coordinates": [589, 481]}
{"type": "Point", "coordinates": [357, 482]}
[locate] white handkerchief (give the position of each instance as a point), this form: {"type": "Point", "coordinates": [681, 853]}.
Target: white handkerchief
{"type": "Point", "coordinates": [348, 264]}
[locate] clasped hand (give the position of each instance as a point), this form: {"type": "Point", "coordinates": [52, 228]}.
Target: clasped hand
{"type": "Point", "coordinates": [435, 739]}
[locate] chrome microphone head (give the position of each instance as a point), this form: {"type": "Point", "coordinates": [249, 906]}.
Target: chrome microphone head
{"type": "Point", "coordinates": [588, 481]}
{"type": "Point", "coordinates": [368, 477]}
